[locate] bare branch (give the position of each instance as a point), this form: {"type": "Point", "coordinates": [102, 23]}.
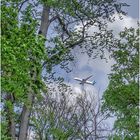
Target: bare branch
{"type": "Point", "coordinates": [21, 4]}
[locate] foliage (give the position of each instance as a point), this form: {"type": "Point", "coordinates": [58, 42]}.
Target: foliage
{"type": "Point", "coordinates": [122, 95]}
{"type": "Point", "coordinates": [4, 135]}
{"type": "Point", "coordinates": [24, 53]}
{"type": "Point", "coordinates": [72, 19]}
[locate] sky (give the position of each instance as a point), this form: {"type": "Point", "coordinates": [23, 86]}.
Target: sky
{"type": "Point", "coordinates": [83, 66]}
{"type": "Point", "coordinates": [133, 9]}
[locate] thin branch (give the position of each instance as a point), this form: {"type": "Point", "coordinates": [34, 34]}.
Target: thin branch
{"type": "Point", "coordinates": [22, 3]}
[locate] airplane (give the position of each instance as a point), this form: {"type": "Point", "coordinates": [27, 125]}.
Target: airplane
{"type": "Point", "coordinates": [85, 81]}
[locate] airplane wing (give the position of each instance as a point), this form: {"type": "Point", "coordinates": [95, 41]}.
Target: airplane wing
{"type": "Point", "coordinates": [78, 79]}
{"type": "Point", "coordinates": [88, 77]}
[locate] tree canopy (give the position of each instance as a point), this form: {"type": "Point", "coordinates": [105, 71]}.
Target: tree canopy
{"type": "Point", "coordinates": [122, 95]}
{"type": "Point", "coordinates": [38, 35]}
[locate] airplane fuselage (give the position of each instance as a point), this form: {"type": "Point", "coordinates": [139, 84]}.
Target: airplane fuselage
{"type": "Point", "coordinates": [85, 81]}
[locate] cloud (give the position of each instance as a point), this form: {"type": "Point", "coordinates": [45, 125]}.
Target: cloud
{"type": "Point", "coordinates": [72, 93]}
{"type": "Point", "coordinates": [119, 25]}
{"type": "Point", "coordinates": [78, 91]}
{"type": "Point", "coordinates": [83, 66]}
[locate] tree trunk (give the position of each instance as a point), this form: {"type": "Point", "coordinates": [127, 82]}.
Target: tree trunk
{"type": "Point", "coordinates": [25, 116]}
{"type": "Point", "coordinates": [10, 117]}
{"type": "Point", "coordinates": [12, 128]}
{"type": "Point", "coordinates": [44, 21]}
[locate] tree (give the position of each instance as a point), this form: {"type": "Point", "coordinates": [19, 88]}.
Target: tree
{"type": "Point", "coordinates": [68, 117]}
{"type": "Point", "coordinates": [24, 54]}
{"type": "Point", "coordinates": [122, 95]}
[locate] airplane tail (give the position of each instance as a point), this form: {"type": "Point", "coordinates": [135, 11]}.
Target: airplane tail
{"type": "Point", "coordinates": [93, 83]}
